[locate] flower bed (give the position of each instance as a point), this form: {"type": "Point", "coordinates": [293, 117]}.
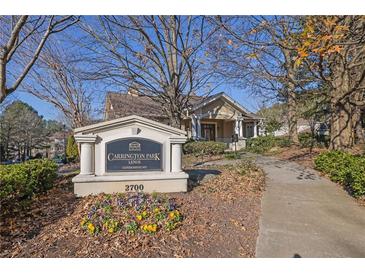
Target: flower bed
{"type": "Point", "coordinates": [218, 218]}
{"type": "Point", "coordinates": [132, 214]}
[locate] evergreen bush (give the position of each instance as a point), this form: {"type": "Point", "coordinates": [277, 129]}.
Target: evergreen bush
{"type": "Point", "coordinates": [199, 148]}
{"type": "Point", "coordinates": [344, 168]}
{"type": "Point", "coordinates": [22, 181]}
{"type": "Point", "coordinates": [72, 152]}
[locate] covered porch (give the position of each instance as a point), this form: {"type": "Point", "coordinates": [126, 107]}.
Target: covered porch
{"type": "Point", "coordinates": [221, 130]}
{"type": "Point", "coordinates": [219, 118]}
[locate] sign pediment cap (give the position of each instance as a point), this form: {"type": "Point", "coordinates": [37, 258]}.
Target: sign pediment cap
{"type": "Point", "coordinates": [85, 138]}
{"type": "Point", "coordinates": [177, 139]}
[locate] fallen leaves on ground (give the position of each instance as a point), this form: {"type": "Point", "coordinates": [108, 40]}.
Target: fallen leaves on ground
{"type": "Point", "coordinates": [221, 220]}
{"type": "Point", "coordinates": [302, 156]}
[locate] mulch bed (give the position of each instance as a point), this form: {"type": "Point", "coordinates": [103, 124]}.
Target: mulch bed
{"type": "Point", "coordinates": [221, 219]}
{"type": "Point", "coordinates": [302, 156]}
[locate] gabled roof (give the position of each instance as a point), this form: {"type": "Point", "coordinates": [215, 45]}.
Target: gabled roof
{"type": "Point", "coordinates": [125, 104]}
{"type": "Point", "coordinates": [120, 122]}
{"type": "Point", "coordinates": [225, 97]}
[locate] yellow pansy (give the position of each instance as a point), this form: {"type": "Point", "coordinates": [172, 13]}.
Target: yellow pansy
{"type": "Point", "coordinates": [83, 222]}
{"type": "Point", "coordinates": [171, 215]}
{"type": "Point", "coordinates": [91, 227]}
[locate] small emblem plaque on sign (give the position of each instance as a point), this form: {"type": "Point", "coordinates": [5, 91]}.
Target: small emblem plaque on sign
{"type": "Point", "coordinates": [134, 146]}
{"type": "Point", "coordinates": [133, 154]}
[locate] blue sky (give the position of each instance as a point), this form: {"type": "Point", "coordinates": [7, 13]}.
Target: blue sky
{"type": "Point", "coordinates": [48, 111]}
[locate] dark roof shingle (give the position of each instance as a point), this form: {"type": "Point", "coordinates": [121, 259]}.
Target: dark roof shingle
{"type": "Point", "coordinates": [124, 104]}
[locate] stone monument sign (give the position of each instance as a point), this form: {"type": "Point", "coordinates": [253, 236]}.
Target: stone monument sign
{"type": "Point", "coordinates": [130, 154]}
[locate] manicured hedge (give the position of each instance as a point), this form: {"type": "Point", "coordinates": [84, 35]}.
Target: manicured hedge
{"type": "Point", "coordinates": [344, 168]}
{"type": "Point", "coordinates": [204, 148]}
{"type": "Point", "coordinates": [263, 144]}
{"type": "Point", "coordinates": [21, 181]}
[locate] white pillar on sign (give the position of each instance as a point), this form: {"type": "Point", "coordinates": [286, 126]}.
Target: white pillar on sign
{"type": "Point", "coordinates": [193, 127]}
{"type": "Point", "coordinates": [254, 129]}
{"type": "Point", "coordinates": [199, 128]}
{"type": "Point", "coordinates": [86, 153]}
{"type": "Point", "coordinates": [176, 155]}
{"type": "Point", "coordinates": [86, 159]}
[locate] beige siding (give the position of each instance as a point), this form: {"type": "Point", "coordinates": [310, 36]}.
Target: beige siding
{"type": "Point", "coordinates": [220, 110]}
{"type": "Point", "coordinates": [228, 129]}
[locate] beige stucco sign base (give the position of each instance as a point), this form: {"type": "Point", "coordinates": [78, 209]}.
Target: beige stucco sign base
{"type": "Point", "coordinates": [94, 175]}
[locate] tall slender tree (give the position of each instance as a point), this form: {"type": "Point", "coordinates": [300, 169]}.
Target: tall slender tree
{"type": "Point", "coordinates": [21, 42]}
{"type": "Point", "coordinates": [160, 56]}
{"type": "Point", "coordinates": [57, 79]}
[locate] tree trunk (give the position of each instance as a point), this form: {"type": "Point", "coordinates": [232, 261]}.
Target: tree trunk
{"type": "Point", "coordinates": [334, 125]}
{"type": "Point", "coordinates": [174, 119]}
{"type": "Point", "coordinates": [346, 127]}
{"type": "Point", "coordinates": [2, 77]}
{"type": "Point", "coordinates": [342, 127]}
{"type": "Point", "coordinates": [357, 120]}
{"type": "Point", "coordinates": [359, 130]}
{"type": "Point", "coordinates": [292, 115]}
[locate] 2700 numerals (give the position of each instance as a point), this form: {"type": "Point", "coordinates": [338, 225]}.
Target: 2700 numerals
{"type": "Point", "coordinates": [134, 187]}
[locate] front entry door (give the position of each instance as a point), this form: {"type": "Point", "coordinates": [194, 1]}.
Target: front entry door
{"type": "Point", "coordinates": [208, 132]}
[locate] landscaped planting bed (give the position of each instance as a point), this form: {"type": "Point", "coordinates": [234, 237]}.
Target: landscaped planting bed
{"type": "Point", "coordinates": [216, 218]}
{"type": "Point", "coordinates": [132, 214]}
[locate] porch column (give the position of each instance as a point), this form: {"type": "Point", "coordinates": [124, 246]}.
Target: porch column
{"type": "Point", "coordinates": [199, 128]}
{"type": "Point", "coordinates": [87, 143]}
{"type": "Point", "coordinates": [240, 129]}
{"type": "Point", "coordinates": [254, 129]}
{"type": "Point", "coordinates": [193, 127]}
{"type": "Point", "coordinates": [236, 127]}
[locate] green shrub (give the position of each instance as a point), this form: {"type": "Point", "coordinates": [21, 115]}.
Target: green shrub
{"type": "Point", "coordinates": [72, 151]}
{"type": "Point", "coordinates": [344, 168]}
{"type": "Point", "coordinates": [306, 139]}
{"type": "Point", "coordinates": [204, 148]}
{"type": "Point", "coordinates": [232, 156]}
{"type": "Point", "coordinates": [21, 181]}
{"type": "Point", "coordinates": [260, 144]}
{"type": "Point", "coordinates": [263, 144]}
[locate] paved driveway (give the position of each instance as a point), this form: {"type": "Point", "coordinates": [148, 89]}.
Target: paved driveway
{"type": "Point", "coordinates": [305, 215]}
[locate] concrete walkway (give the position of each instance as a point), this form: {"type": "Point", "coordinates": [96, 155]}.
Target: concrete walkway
{"type": "Point", "coordinates": [305, 215]}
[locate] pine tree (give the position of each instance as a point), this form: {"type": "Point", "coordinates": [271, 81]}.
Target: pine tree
{"type": "Point", "coordinates": [71, 149]}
